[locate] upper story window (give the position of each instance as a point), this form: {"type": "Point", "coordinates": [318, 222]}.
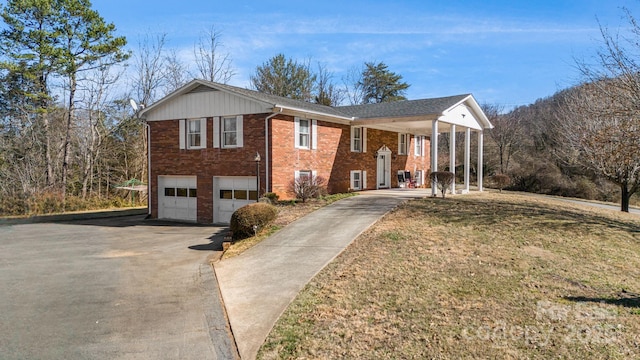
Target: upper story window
{"type": "Point", "coordinates": [403, 144]}
{"type": "Point", "coordinates": [228, 132]}
{"type": "Point", "coordinates": [193, 133]}
{"type": "Point", "coordinates": [419, 148]}
{"type": "Point", "coordinates": [306, 133]}
{"type": "Point", "coordinates": [358, 139]}
{"type": "Point", "coordinates": [194, 137]}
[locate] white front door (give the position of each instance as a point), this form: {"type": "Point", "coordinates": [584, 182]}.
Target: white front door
{"type": "Point", "coordinates": [177, 198]}
{"type": "Point", "coordinates": [384, 169]}
{"type": "Point", "coordinates": [231, 193]}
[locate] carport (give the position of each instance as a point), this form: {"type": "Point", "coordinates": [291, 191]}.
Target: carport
{"type": "Point", "coordinates": [430, 117]}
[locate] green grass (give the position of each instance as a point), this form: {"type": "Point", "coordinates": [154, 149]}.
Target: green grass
{"type": "Point", "coordinates": [476, 276]}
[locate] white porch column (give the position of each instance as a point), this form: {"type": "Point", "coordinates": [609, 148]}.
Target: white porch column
{"type": "Point", "coordinates": [452, 156]}
{"type": "Point", "coordinates": [434, 154]}
{"type": "Point", "coordinates": [467, 158]}
{"type": "Point", "coordinates": [480, 150]}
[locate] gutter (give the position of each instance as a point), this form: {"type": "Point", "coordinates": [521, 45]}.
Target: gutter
{"type": "Point", "coordinates": [267, 181]}
{"type": "Point", "coordinates": [148, 130]}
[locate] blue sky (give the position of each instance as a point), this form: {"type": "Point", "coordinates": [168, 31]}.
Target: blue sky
{"type": "Point", "coordinates": [504, 52]}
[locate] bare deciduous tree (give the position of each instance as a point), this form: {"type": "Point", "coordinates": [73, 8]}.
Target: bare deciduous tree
{"type": "Point", "coordinates": [602, 135]}
{"type": "Point", "coordinates": [600, 123]}
{"type": "Point", "coordinates": [353, 83]}
{"type": "Point", "coordinates": [327, 93]}
{"type": "Point", "coordinates": [506, 134]}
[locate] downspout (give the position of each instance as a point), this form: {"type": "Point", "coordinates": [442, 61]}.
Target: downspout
{"type": "Point", "coordinates": [146, 125]}
{"type": "Point", "coordinates": [267, 181]}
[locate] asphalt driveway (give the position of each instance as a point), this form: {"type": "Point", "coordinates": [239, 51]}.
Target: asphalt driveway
{"type": "Point", "coordinates": [118, 288]}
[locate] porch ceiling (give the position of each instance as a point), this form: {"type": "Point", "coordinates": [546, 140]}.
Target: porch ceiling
{"type": "Point", "coordinates": [416, 126]}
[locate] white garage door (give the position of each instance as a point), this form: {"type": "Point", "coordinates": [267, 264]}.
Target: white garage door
{"type": "Point", "coordinates": [231, 193]}
{"type": "Point", "coordinates": [177, 198]}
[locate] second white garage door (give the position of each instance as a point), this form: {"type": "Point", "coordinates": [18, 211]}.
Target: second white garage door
{"type": "Point", "coordinates": [231, 193]}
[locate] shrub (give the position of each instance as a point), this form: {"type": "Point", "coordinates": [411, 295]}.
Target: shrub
{"type": "Point", "coordinates": [273, 197]}
{"type": "Point", "coordinates": [501, 181]}
{"type": "Point", "coordinates": [442, 180]}
{"type": "Point", "coordinates": [249, 219]}
{"type": "Point", "coordinates": [306, 187]}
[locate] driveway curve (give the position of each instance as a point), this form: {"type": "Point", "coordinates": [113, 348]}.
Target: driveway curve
{"type": "Point", "coordinates": [258, 285]}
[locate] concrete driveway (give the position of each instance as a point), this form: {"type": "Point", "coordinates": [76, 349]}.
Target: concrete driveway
{"type": "Point", "coordinates": [118, 288]}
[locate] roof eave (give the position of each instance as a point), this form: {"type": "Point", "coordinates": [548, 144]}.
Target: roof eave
{"type": "Point", "coordinates": [289, 110]}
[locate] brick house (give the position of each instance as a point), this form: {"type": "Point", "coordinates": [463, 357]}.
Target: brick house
{"type": "Point", "coordinates": [204, 138]}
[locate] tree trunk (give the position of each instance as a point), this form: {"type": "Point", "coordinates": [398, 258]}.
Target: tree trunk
{"type": "Point", "coordinates": [67, 139]}
{"type": "Point", "coordinates": [625, 196]}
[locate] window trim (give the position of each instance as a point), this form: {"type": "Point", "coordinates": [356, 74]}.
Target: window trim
{"type": "Point", "coordinates": [362, 174]}
{"type": "Point", "coordinates": [185, 134]}
{"type": "Point", "coordinates": [312, 138]}
{"type": "Point", "coordinates": [362, 138]}
{"type": "Point", "coordinates": [224, 131]}
{"type": "Point", "coordinates": [218, 132]}
{"type": "Point", "coordinates": [403, 147]}
{"type": "Point", "coordinates": [305, 135]}
{"type": "Point", "coordinates": [419, 146]}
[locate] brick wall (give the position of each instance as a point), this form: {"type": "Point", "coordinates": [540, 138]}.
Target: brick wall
{"type": "Point", "coordinates": [332, 159]}
{"type": "Point", "coordinates": [168, 159]}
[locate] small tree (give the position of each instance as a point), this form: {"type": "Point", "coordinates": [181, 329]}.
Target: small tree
{"type": "Point", "coordinates": [306, 187]}
{"type": "Point", "coordinates": [442, 179]}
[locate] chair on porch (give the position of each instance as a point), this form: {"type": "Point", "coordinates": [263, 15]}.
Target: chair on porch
{"type": "Point", "coordinates": [410, 181]}
{"type": "Point", "coordinates": [402, 181]}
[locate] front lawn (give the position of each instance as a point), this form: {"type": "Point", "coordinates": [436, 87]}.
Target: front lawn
{"type": "Point", "coordinates": [475, 276]}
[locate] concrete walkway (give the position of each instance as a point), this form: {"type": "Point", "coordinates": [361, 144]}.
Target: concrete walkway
{"type": "Point", "coordinates": [258, 285]}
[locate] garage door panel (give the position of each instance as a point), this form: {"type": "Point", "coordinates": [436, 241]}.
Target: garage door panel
{"type": "Point", "coordinates": [230, 194]}
{"type": "Point", "coordinates": [177, 198]}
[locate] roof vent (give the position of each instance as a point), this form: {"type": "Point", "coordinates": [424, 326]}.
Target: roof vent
{"type": "Point", "coordinates": [202, 88]}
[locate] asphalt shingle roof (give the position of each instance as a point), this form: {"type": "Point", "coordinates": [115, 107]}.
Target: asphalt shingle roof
{"type": "Point", "coordinates": [279, 100]}
{"type": "Point", "coordinates": [390, 109]}
{"type": "Point", "coordinates": [402, 108]}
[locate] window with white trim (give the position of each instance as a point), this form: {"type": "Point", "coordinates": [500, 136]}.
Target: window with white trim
{"type": "Point", "coordinates": [403, 144]}
{"type": "Point", "coordinates": [304, 174]}
{"type": "Point", "coordinates": [358, 139]}
{"type": "Point", "coordinates": [306, 133]}
{"type": "Point", "coordinates": [194, 138]}
{"type": "Point", "coordinates": [358, 180]}
{"type": "Point", "coordinates": [229, 132]}
{"type": "Point", "coordinates": [193, 133]}
{"type": "Point", "coordinates": [419, 148]}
